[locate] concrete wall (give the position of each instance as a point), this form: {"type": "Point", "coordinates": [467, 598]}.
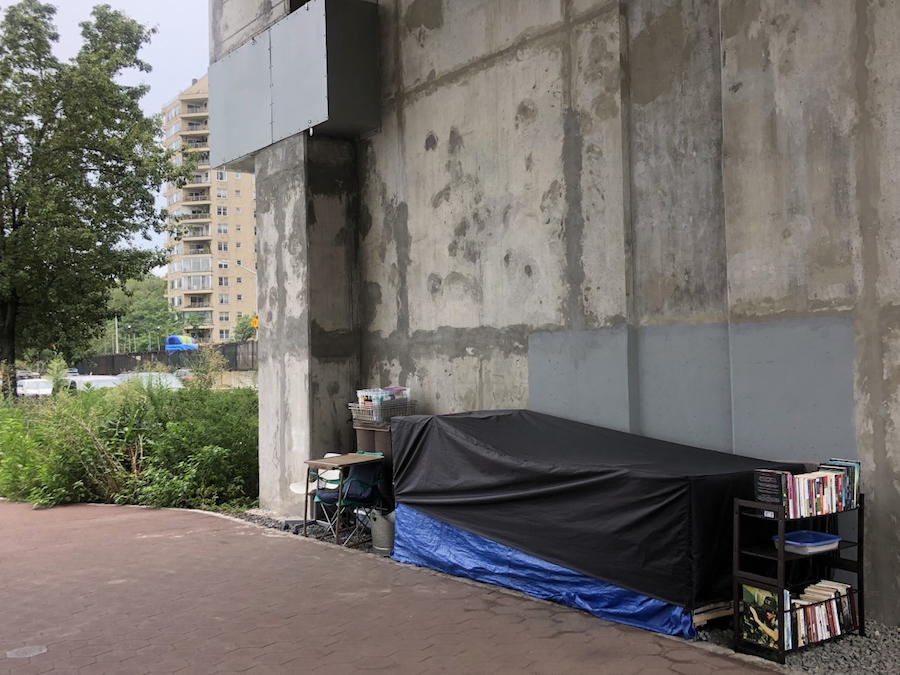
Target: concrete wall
{"type": "Point", "coordinates": [669, 216]}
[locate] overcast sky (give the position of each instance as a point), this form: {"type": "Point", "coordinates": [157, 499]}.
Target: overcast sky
{"type": "Point", "coordinates": [178, 52]}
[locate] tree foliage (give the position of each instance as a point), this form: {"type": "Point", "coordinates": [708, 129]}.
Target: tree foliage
{"type": "Point", "coordinates": [243, 329]}
{"type": "Point", "coordinates": [79, 167]}
{"type": "Point", "coordinates": [144, 317]}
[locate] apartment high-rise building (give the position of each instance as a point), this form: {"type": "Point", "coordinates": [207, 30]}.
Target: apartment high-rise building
{"type": "Point", "coordinates": [212, 270]}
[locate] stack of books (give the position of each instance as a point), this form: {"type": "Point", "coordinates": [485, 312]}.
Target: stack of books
{"type": "Point", "coordinates": [831, 489]}
{"type": "Point", "coordinates": [824, 610]}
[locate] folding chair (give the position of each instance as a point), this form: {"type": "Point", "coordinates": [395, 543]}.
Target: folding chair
{"type": "Point", "coordinates": [361, 496]}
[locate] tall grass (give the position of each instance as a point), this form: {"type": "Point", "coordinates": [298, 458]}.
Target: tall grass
{"type": "Point", "coordinates": [132, 444]}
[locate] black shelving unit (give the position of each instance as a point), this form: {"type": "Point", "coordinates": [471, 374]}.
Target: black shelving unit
{"type": "Point", "coordinates": [769, 519]}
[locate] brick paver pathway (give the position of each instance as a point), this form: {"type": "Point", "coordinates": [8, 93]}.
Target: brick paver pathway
{"type": "Point", "coordinates": [129, 591]}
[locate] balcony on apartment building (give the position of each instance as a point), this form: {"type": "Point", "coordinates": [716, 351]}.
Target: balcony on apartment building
{"type": "Point", "coordinates": [202, 159]}
{"type": "Point", "coordinates": [195, 127]}
{"type": "Point", "coordinates": [196, 144]}
{"type": "Point", "coordinates": [196, 196]}
{"type": "Point", "coordinates": [195, 213]}
{"type": "Point", "coordinates": [198, 180]}
{"type": "Point", "coordinates": [197, 232]}
{"type": "Point", "coordinates": [195, 109]}
{"type": "Point", "coordinates": [198, 250]}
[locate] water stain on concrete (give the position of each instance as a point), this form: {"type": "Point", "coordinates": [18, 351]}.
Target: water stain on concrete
{"type": "Point", "coordinates": [455, 142]}
{"type": "Point", "coordinates": [656, 55]}
{"type": "Point", "coordinates": [431, 142]}
{"type": "Point", "coordinates": [526, 112]}
{"type": "Point", "coordinates": [425, 14]}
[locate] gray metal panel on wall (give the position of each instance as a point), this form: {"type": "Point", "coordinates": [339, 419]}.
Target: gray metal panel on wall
{"type": "Point", "coordinates": [581, 376]}
{"type": "Point", "coordinates": [684, 384]}
{"type": "Point", "coordinates": [240, 119]}
{"type": "Point", "coordinates": [299, 71]}
{"type": "Point", "coordinates": [792, 389]}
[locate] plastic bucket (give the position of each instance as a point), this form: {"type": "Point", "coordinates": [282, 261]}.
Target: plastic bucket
{"type": "Point", "coordinates": [383, 532]}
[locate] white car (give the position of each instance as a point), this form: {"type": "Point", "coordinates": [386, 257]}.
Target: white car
{"type": "Point", "coordinates": [34, 388]}
{"type": "Point", "coordinates": [164, 380]}
{"type": "Point", "coordinates": [83, 382]}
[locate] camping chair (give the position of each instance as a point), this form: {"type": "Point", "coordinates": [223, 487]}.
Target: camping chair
{"type": "Point", "coordinates": [361, 496]}
{"type": "Point", "coordinates": [326, 477]}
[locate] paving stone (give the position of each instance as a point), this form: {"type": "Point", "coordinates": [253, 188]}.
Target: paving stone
{"type": "Point", "coordinates": [154, 591]}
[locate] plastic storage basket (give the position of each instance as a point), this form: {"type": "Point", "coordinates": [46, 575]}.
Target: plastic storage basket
{"type": "Point", "coordinates": [380, 414]}
{"type": "Point", "coordinates": [806, 542]}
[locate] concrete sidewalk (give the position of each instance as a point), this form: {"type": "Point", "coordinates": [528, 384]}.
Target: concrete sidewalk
{"type": "Point", "coordinates": [107, 589]}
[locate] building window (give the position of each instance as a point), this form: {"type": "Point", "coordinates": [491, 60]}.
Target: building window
{"type": "Point", "coordinates": [255, 251]}
{"type": "Point", "coordinates": [237, 176]}
{"type": "Point", "coordinates": [223, 228]}
{"type": "Point", "coordinates": [239, 280]}
{"type": "Point", "coordinates": [238, 209]}
{"type": "Point", "coordinates": [223, 265]}
{"type": "Point", "coordinates": [237, 229]}
{"type": "Point", "coordinates": [237, 244]}
{"type": "Point", "coordinates": [255, 229]}
{"type": "Point", "coordinates": [223, 334]}
{"type": "Point", "coordinates": [238, 263]}
{"type": "Point", "coordinates": [223, 245]}
{"type": "Point", "coordinates": [223, 281]}
{"type": "Point", "coordinates": [223, 298]}
{"type": "Point", "coordinates": [221, 175]}
{"type": "Point", "coordinates": [222, 210]}
{"type": "Point", "coordinates": [221, 193]}
{"type": "Point", "coordinates": [237, 193]}
{"type": "Point", "coordinates": [224, 317]}
{"type": "Point", "coordinates": [239, 298]}
{"type": "Point", "coordinates": [240, 315]}
{"type": "Point", "coordinates": [254, 195]}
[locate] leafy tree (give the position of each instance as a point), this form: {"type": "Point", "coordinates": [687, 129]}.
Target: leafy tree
{"type": "Point", "coordinates": [140, 304]}
{"type": "Point", "coordinates": [80, 166]}
{"type": "Point", "coordinates": [243, 329]}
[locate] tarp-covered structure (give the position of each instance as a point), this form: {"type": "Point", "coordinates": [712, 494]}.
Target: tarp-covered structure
{"type": "Point", "coordinates": [641, 514]}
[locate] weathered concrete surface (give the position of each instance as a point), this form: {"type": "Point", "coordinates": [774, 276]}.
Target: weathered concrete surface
{"type": "Point", "coordinates": [332, 226]}
{"type": "Point", "coordinates": [714, 180]}
{"type": "Point", "coordinates": [675, 134]}
{"type": "Point", "coordinates": [877, 315]}
{"type": "Point", "coordinates": [285, 413]}
{"type": "Point", "coordinates": [475, 231]}
{"type": "Point", "coordinates": [233, 22]}
{"type": "Point", "coordinates": [789, 169]}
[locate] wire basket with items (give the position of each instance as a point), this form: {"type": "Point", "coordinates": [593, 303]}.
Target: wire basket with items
{"type": "Point", "coordinates": [376, 407]}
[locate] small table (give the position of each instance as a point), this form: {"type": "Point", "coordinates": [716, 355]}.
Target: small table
{"type": "Point", "coordinates": [340, 463]}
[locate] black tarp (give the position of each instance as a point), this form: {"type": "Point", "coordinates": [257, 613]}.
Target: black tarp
{"type": "Point", "coordinates": [650, 516]}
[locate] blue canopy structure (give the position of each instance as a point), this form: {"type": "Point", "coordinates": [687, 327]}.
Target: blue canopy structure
{"type": "Point", "coordinates": [180, 343]}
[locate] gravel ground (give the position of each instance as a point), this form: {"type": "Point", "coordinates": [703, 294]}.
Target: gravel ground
{"type": "Point", "coordinates": [276, 521]}
{"type": "Point", "coordinates": [876, 654]}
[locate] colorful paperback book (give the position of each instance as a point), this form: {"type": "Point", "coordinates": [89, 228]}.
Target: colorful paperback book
{"type": "Point", "coordinates": [759, 617]}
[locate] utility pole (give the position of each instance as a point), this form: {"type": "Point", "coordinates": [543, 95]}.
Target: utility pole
{"type": "Point", "coordinates": [117, 335]}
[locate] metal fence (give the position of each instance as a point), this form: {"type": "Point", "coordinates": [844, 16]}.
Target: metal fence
{"type": "Point", "coordinates": [238, 356]}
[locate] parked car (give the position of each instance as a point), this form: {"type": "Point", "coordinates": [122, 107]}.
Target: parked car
{"type": "Point", "coordinates": [34, 388]}
{"type": "Point", "coordinates": [165, 380]}
{"type": "Point", "coordinates": [84, 382]}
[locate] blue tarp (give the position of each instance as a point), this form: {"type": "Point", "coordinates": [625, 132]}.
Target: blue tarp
{"type": "Point", "coordinates": [425, 541]}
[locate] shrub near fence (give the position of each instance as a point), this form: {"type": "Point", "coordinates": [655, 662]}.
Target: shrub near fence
{"type": "Point", "coordinates": [239, 356]}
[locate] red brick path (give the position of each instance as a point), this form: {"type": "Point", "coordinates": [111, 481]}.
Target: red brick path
{"type": "Point", "coordinates": [131, 591]}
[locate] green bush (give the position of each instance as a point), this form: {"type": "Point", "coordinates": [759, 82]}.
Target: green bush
{"type": "Point", "coordinates": [133, 444]}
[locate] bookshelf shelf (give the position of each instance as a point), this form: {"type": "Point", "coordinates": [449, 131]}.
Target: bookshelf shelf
{"type": "Point", "coordinates": [771, 552]}
{"type": "Point", "coordinates": [778, 574]}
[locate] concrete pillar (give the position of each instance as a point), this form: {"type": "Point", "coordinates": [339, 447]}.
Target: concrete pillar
{"type": "Point", "coordinates": [284, 322]}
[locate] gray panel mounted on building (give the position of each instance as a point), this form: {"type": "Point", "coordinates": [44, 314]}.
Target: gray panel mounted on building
{"type": "Point", "coordinates": [318, 68]}
{"type": "Point", "coordinates": [299, 71]}
{"type": "Point", "coordinates": [238, 82]}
